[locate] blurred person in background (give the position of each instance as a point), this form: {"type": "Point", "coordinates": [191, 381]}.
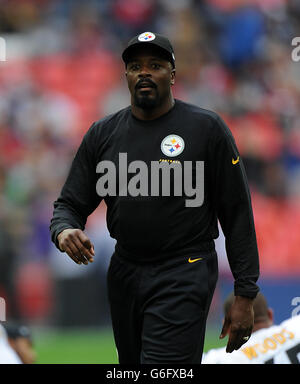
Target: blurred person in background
{"type": "Point", "coordinates": [146, 327]}
{"type": "Point", "coordinates": [7, 254]}
{"type": "Point", "coordinates": [7, 354]}
{"type": "Point", "coordinates": [269, 343]}
{"type": "Point", "coordinates": [20, 339]}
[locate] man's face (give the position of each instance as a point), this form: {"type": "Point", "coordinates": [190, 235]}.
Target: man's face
{"type": "Point", "coordinates": [149, 77]}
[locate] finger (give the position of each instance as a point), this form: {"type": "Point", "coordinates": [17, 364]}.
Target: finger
{"type": "Point", "coordinates": [71, 255]}
{"type": "Point", "coordinates": [242, 339]}
{"type": "Point", "coordinates": [246, 336]}
{"type": "Point", "coordinates": [73, 241]}
{"type": "Point", "coordinates": [234, 340]}
{"type": "Point", "coordinates": [86, 243]}
{"type": "Point", "coordinates": [76, 252]}
{"type": "Point", "coordinates": [83, 250]}
{"type": "Point", "coordinates": [225, 328]}
{"type": "Point", "coordinates": [93, 250]}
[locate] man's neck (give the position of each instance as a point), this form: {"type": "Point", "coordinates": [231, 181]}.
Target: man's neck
{"type": "Point", "coordinates": [153, 113]}
{"type": "Point", "coordinates": [261, 324]}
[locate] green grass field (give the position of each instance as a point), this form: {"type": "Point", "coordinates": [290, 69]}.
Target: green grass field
{"type": "Point", "coordinates": [88, 346]}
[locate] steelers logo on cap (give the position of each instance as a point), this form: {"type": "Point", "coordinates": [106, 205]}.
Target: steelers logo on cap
{"type": "Point", "coordinates": [172, 145]}
{"type": "Point", "coordinates": [146, 36]}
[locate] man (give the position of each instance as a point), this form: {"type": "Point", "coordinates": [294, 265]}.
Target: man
{"type": "Point", "coordinates": [7, 354]}
{"type": "Point", "coordinates": [164, 269]}
{"type": "Point", "coordinates": [20, 340]}
{"type": "Point", "coordinates": [269, 344]}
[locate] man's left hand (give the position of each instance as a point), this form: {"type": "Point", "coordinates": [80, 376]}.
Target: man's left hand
{"type": "Point", "coordinates": [238, 323]}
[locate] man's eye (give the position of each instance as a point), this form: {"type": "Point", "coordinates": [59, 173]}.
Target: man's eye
{"type": "Point", "coordinates": [155, 66]}
{"type": "Point", "coordinates": [134, 67]}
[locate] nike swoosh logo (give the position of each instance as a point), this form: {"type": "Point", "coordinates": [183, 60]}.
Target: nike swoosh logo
{"type": "Point", "coordinates": [193, 260]}
{"type": "Point", "coordinates": [236, 161]}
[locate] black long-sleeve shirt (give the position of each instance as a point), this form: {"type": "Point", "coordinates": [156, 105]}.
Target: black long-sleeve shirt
{"type": "Point", "coordinates": [149, 228]}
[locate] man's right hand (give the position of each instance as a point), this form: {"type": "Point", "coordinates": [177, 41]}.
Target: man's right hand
{"type": "Point", "coordinates": [77, 245]}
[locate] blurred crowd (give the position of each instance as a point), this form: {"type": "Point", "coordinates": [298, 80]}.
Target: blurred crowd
{"type": "Point", "coordinates": [64, 71]}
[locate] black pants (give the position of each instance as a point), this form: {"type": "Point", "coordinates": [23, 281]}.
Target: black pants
{"type": "Point", "coordinates": [159, 311]}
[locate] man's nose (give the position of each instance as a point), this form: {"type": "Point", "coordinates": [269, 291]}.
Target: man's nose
{"type": "Point", "coordinates": [144, 72]}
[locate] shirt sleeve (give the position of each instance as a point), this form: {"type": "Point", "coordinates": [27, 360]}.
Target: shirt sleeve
{"type": "Point", "coordinates": [234, 211]}
{"type": "Point", "coordinates": [78, 198]}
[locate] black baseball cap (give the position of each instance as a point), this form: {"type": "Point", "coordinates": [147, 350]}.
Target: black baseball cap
{"type": "Point", "coordinates": [153, 39]}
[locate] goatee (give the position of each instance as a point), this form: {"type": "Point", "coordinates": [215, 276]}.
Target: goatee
{"type": "Point", "coordinates": [146, 102]}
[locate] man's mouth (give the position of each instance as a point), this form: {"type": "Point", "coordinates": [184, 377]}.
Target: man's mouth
{"type": "Point", "coordinates": [145, 85]}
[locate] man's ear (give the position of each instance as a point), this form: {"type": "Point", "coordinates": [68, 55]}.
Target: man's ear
{"type": "Point", "coordinates": [173, 74]}
{"type": "Point", "coordinates": [271, 315]}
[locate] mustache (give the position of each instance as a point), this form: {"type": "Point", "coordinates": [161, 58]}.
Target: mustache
{"type": "Point", "coordinates": [145, 83]}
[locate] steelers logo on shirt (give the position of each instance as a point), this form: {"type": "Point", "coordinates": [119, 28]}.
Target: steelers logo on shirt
{"type": "Point", "coordinates": [172, 145]}
{"type": "Point", "coordinates": [146, 36]}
